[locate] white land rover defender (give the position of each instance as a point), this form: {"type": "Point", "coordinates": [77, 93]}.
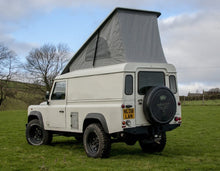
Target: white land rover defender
{"type": "Point", "coordinates": [117, 88]}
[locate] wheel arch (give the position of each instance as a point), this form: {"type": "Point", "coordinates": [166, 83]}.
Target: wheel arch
{"type": "Point", "coordinates": [36, 115]}
{"type": "Point", "coordinates": [95, 118]}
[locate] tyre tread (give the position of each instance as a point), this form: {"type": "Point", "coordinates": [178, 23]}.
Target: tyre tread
{"type": "Point", "coordinates": [47, 136]}
{"type": "Point", "coordinates": [104, 139]}
{"type": "Point", "coordinates": [153, 147]}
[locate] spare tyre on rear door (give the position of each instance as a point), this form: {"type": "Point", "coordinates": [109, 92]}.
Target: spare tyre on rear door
{"type": "Point", "coordinates": [159, 105]}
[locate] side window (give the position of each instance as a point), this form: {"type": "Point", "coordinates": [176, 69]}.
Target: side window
{"type": "Point", "coordinates": [128, 85]}
{"type": "Point", "coordinates": [59, 91]}
{"type": "Point", "coordinates": [172, 81]}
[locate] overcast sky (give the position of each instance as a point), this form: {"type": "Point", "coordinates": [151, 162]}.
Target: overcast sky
{"type": "Point", "coordinates": [190, 31]}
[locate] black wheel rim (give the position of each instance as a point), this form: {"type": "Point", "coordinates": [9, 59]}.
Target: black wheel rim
{"type": "Point", "coordinates": [93, 142]}
{"type": "Point", "coordinates": [36, 134]}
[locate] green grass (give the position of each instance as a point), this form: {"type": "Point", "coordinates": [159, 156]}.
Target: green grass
{"type": "Point", "coordinates": [201, 103]}
{"type": "Point", "coordinates": [193, 146]}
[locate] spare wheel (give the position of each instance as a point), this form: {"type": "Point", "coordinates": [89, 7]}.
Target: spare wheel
{"type": "Point", "coordinates": [159, 105]}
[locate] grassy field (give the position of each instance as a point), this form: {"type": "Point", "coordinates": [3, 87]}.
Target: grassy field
{"type": "Point", "coordinates": [201, 103]}
{"type": "Point", "coordinates": [193, 146]}
{"type": "Point", "coordinates": [24, 95]}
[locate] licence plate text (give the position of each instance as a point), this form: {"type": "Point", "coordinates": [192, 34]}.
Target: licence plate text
{"type": "Point", "coordinates": [128, 113]}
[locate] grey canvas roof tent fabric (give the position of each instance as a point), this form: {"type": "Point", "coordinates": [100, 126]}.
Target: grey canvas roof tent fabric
{"type": "Point", "coordinates": [126, 36]}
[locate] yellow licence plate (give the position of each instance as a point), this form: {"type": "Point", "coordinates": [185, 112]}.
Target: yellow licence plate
{"type": "Point", "coordinates": [128, 113]}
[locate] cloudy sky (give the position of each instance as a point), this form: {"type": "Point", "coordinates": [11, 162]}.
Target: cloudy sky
{"type": "Point", "coordinates": [190, 31]}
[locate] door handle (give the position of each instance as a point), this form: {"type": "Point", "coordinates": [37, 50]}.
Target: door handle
{"type": "Point", "coordinates": [61, 111]}
{"type": "Point", "coordinates": [140, 101]}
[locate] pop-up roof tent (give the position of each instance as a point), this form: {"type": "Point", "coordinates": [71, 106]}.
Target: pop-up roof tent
{"type": "Point", "coordinates": [126, 36]}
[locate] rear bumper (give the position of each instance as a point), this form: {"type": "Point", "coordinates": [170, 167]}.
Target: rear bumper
{"type": "Point", "coordinates": [149, 129]}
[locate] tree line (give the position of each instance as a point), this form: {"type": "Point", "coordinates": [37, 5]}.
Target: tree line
{"type": "Point", "coordinates": [41, 67]}
{"type": "Point", "coordinates": [211, 94]}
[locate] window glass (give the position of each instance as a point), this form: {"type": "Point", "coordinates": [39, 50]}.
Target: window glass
{"type": "Point", "coordinates": [59, 91]}
{"type": "Point", "coordinates": [173, 87]}
{"type": "Point", "coordinates": [128, 85]}
{"type": "Point", "coordinates": [102, 50]}
{"type": "Point", "coordinates": [90, 51]}
{"type": "Point", "coordinates": [147, 79]}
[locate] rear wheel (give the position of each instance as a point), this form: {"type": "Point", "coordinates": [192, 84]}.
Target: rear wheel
{"type": "Point", "coordinates": [156, 146]}
{"type": "Point", "coordinates": [36, 135]}
{"type": "Point", "coordinates": [96, 142]}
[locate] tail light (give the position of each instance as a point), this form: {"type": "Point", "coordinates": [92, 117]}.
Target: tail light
{"type": "Point", "coordinates": [123, 124]}
{"type": "Point", "coordinates": [177, 119]}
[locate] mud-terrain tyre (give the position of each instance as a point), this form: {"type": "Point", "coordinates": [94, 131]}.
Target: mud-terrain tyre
{"type": "Point", "coordinates": [97, 143]}
{"type": "Point", "coordinates": [36, 135]}
{"type": "Point", "coordinates": [159, 105]}
{"type": "Point", "coordinates": [152, 147]}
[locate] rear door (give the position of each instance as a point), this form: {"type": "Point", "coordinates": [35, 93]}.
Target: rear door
{"type": "Point", "coordinates": [145, 80]}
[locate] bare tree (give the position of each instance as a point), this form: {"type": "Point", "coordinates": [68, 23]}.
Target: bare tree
{"type": "Point", "coordinates": [46, 62]}
{"type": "Point", "coordinates": [7, 69]}
{"type": "Point", "coordinates": [214, 90]}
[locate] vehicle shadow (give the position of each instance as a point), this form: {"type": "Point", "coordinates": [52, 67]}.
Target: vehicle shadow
{"type": "Point", "coordinates": [117, 149]}
{"type": "Point", "coordinates": [67, 144]}
{"type": "Point", "coordinates": [122, 149]}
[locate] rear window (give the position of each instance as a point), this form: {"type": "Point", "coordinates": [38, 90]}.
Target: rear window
{"type": "Point", "coordinates": [172, 81]}
{"type": "Point", "coordinates": [147, 79]}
